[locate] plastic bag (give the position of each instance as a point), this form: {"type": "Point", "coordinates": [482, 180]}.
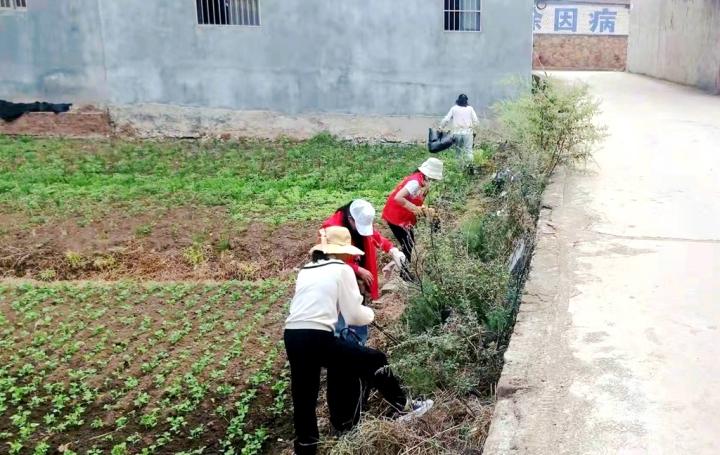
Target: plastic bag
{"type": "Point", "coordinates": [439, 141]}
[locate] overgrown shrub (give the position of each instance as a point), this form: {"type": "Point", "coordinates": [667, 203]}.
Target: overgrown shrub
{"type": "Point", "coordinates": [488, 236]}
{"type": "Point", "coordinates": [458, 355]}
{"type": "Point", "coordinates": [553, 121]}
{"type": "Point", "coordinates": [450, 277]}
{"type": "Point", "coordinates": [460, 313]}
{"type": "Point", "coordinates": [464, 301]}
{"type": "Point", "coordinates": [445, 324]}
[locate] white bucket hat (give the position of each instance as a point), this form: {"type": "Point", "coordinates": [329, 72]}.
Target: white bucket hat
{"type": "Point", "coordinates": [432, 168]}
{"type": "Point", "coordinates": [336, 240]}
{"type": "Point", "coordinates": [364, 215]}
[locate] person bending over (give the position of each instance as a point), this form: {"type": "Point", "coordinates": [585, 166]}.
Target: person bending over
{"type": "Point", "coordinates": [405, 204]}
{"type": "Point", "coordinates": [358, 216]}
{"type": "Point", "coordinates": [325, 288]}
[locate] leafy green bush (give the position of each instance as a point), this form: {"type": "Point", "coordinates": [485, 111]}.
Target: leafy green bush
{"type": "Point", "coordinates": [551, 124]}
{"type": "Point", "coordinates": [451, 314]}
{"type": "Point", "coordinates": [452, 277]}
{"type": "Point", "coordinates": [554, 121]}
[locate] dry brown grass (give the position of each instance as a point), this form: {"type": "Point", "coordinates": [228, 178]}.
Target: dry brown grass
{"type": "Point", "coordinates": [453, 426]}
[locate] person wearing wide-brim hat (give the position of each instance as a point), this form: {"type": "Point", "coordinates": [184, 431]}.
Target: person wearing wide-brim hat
{"type": "Point", "coordinates": [325, 288]}
{"type": "Point", "coordinates": [406, 203]}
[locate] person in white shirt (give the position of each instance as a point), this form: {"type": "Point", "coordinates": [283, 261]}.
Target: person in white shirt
{"type": "Point", "coordinates": [464, 119]}
{"type": "Point", "coordinates": [326, 287]}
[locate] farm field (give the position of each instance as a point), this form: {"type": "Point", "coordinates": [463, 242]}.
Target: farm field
{"type": "Point", "coordinates": [179, 209]}
{"type": "Point", "coordinates": [140, 368]}
{"type": "Point", "coordinates": [144, 286]}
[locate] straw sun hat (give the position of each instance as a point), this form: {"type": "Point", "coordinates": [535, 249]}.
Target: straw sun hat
{"type": "Point", "coordinates": [336, 240]}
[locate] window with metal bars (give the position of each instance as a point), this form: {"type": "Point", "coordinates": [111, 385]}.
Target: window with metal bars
{"type": "Point", "coordinates": [463, 15]}
{"type": "Point", "coordinates": [13, 4]}
{"type": "Point", "coordinates": [228, 12]}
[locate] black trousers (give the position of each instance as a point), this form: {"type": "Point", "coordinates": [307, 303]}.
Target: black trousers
{"type": "Point", "coordinates": [406, 238]}
{"type": "Point", "coordinates": [308, 352]}
{"type": "Point", "coordinates": [347, 393]}
{"type": "Point", "coordinates": [347, 396]}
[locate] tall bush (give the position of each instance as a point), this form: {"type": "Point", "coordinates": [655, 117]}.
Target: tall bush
{"type": "Point", "coordinates": [554, 121]}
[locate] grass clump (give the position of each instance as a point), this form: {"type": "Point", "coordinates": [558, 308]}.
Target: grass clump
{"type": "Point", "coordinates": [194, 255]}
{"type": "Point", "coordinates": [74, 259]}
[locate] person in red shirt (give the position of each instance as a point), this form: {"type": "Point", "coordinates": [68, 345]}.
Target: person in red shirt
{"type": "Point", "coordinates": [405, 204]}
{"type": "Point", "coordinates": [358, 217]}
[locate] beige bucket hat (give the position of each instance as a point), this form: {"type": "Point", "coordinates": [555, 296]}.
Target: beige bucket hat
{"type": "Point", "coordinates": [336, 240]}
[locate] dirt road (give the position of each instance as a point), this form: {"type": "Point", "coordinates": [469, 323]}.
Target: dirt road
{"type": "Point", "coordinates": [617, 346]}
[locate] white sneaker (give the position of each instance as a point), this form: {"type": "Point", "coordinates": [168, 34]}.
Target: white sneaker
{"type": "Point", "coordinates": [417, 409]}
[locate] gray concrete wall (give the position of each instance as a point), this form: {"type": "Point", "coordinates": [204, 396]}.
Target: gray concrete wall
{"type": "Point", "coordinates": [366, 57]}
{"type": "Point", "coordinates": [53, 51]}
{"type": "Point", "coordinates": [677, 40]}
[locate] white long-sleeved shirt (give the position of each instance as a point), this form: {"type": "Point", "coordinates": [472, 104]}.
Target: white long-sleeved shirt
{"type": "Point", "coordinates": [463, 119]}
{"type": "Point", "coordinates": [324, 289]}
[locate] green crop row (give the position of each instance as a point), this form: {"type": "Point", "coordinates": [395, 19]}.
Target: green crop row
{"type": "Point", "coordinates": [256, 181]}
{"type": "Point", "coordinates": [132, 368]}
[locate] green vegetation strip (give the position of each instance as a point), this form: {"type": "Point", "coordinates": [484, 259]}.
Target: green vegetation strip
{"type": "Point", "coordinates": [264, 181]}
{"type": "Point", "coordinates": [118, 368]}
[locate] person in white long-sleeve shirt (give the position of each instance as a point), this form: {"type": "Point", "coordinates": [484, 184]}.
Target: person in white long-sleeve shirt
{"type": "Point", "coordinates": [325, 288]}
{"type": "Point", "coordinates": [463, 119]}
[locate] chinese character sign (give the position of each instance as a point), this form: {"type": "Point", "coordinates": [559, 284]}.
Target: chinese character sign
{"type": "Point", "coordinates": [537, 20]}
{"type": "Point", "coordinates": [601, 21]}
{"type": "Point", "coordinates": [566, 19]}
{"type": "Point", "coordinates": [582, 19]}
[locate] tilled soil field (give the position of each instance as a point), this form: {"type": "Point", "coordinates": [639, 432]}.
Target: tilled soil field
{"type": "Point", "coordinates": [144, 286]}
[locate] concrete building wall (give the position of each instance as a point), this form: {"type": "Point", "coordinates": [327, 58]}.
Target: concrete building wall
{"type": "Point", "coordinates": [53, 51]}
{"type": "Point", "coordinates": [677, 40]}
{"type": "Point", "coordinates": [367, 57]}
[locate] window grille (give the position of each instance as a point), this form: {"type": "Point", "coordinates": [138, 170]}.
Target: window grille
{"type": "Point", "coordinates": [228, 12]}
{"type": "Point", "coordinates": [463, 15]}
{"type": "Point", "coordinates": [13, 4]}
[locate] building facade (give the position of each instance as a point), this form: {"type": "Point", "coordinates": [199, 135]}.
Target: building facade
{"type": "Point", "coordinates": [581, 35]}
{"type": "Point", "coordinates": [677, 40]}
{"type": "Point", "coordinates": [361, 57]}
